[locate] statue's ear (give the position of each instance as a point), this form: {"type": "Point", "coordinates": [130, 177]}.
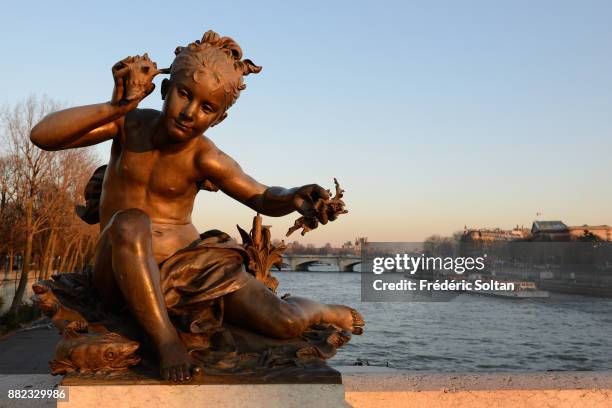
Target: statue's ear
{"type": "Point", "coordinates": [221, 118]}
{"type": "Point", "coordinates": [165, 87]}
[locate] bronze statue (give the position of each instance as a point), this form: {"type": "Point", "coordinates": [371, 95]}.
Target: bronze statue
{"type": "Point", "coordinates": [190, 293]}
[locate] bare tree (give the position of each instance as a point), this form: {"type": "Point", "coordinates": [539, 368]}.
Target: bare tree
{"type": "Point", "coordinates": [437, 245]}
{"type": "Point", "coordinates": [42, 188]}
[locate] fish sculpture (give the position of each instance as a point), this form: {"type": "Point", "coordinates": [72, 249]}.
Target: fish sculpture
{"type": "Point", "coordinates": [50, 305]}
{"type": "Point", "coordinates": [85, 351]}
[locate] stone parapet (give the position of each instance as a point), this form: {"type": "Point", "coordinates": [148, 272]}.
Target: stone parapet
{"type": "Point", "coordinates": [362, 387]}
{"type": "Point", "coordinates": [389, 389]}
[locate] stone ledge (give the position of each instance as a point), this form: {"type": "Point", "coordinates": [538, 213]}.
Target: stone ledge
{"type": "Point", "coordinates": [239, 396]}
{"type": "Point", "coordinates": [485, 399]}
{"type": "Point", "coordinates": [392, 388]}
{"type": "Point", "coordinates": [385, 379]}
{"type": "Point", "coordinates": [362, 387]}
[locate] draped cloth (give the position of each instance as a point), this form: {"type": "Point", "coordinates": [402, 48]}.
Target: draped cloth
{"type": "Point", "coordinates": [195, 279]}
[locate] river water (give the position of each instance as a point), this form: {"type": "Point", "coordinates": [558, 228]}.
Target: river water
{"type": "Point", "coordinates": [468, 333]}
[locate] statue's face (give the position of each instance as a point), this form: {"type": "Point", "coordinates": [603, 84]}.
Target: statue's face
{"type": "Point", "coordinates": [193, 103]}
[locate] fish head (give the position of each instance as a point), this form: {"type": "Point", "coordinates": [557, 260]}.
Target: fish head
{"type": "Point", "coordinates": [120, 355]}
{"type": "Point", "coordinates": [109, 350]}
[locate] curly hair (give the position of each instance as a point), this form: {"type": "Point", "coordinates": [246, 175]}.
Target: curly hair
{"type": "Point", "coordinates": [222, 55]}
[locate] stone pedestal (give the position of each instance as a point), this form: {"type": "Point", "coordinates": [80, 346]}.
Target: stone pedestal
{"type": "Point", "coordinates": [364, 387]}
{"type": "Point", "coordinates": [208, 395]}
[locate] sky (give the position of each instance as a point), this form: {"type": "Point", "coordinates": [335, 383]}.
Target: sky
{"type": "Point", "coordinates": [432, 114]}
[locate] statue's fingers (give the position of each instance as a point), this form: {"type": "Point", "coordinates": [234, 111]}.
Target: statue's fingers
{"type": "Point", "coordinates": [118, 77]}
{"type": "Point", "coordinates": [150, 89]}
{"type": "Point", "coordinates": [321, 192]}
{"type": "Point", "coordinates": [117, 67]}
{"type": "Point", "coordinates": [311, 223]}
{"type": "Point", "coordinates": [322, 213]}
{"type": "Point", "coordinates": [121, 64]}
{"type": "Point", "coordinates": [305, 206]}
{"type": "Point", "coordinates": [120, 72]}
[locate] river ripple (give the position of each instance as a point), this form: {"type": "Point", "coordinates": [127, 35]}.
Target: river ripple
{"type": "Point", "coordinates": [469, 333]}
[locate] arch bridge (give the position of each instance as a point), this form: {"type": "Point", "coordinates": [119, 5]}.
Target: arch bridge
{"type": "Point", "coordinates": [345, 263]}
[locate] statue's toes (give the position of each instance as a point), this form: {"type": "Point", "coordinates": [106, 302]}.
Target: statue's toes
{"type": "Point", "coordinates": [181, 373]}
{"type": "Point", "coordinates": [197, 371]}
{"type": "Point", "coordinates": [358, 322]}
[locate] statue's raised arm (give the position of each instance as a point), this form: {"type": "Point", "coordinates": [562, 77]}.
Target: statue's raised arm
{"type": "Point", "coordinates": [92, 124]}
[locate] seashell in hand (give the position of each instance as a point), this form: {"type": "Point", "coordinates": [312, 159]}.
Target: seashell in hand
{"type": "Point", "coordinates": [138, 81]}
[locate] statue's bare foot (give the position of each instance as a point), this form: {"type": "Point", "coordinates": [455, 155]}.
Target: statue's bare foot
{"type": "Point", "coordinates": [175, 363]}
{"type": "Point", "coordinates": [344, 317]}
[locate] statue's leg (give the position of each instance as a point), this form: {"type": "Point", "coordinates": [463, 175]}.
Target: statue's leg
{"type": "Point", "coordinates": [254, 306]}
{"type": "Point", "coordinates": [126, 271]}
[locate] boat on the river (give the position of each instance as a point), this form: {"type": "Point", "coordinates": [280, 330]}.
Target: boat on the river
{"type": "Point", "coordinates": [506, 289]}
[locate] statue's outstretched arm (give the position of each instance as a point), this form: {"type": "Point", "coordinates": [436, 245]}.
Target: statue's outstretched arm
{"type": "Point", "coordinates": [225, 173]}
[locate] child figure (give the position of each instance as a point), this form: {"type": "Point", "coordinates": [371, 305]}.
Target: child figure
{"type": "Point", "coordinates": [150, 256]}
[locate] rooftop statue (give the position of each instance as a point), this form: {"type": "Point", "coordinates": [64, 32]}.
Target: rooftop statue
{"type": "Point", "coordinates": [161, 293]}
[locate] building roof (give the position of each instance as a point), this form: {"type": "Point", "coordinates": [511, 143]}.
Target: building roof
{"type": "Point", "coordinates": [590, 227]}
{"type": "Point", "coordinates": [548, 226]}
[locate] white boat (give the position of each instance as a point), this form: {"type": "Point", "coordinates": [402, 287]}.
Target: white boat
{"type": "Point", "coordinates": [509, 289]}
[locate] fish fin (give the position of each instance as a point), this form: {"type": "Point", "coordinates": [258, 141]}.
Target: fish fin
{"type": "Point", "coordinates": [73, 329]}
{"type": "Point", "coordinates": [98, 328]}
{"type": "Point", "coordinates": [62, 367]}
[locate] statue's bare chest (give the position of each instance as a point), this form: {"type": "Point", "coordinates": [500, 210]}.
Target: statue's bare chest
{"type": "Point", "coordinates": [152, 172]}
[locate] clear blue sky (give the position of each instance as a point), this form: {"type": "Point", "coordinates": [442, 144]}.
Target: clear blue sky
{"type": "Point", "coordinates": [432, 114]}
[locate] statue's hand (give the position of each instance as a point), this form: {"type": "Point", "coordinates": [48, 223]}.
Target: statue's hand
{"type": "Point", "coordinates": [310, 201]}
{"type": "Point", "coordinates": [133, 78]}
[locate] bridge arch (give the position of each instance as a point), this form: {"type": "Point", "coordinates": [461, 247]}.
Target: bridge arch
{"type": "Point", "coordinates": [303, 266]}
{"type": "Point", "coordinates": [350, 267]}
{"type": "Point", "coordinates": [301, 262]}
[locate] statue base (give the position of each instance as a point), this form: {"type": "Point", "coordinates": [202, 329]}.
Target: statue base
{"type": "Point", "coordinates": [148, 375]}
{"type": "Point", "coordinates": [221, 395]}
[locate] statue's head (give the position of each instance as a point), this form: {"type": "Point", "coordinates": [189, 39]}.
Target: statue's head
{"type": "Point", "coordinates": [206, 78]}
